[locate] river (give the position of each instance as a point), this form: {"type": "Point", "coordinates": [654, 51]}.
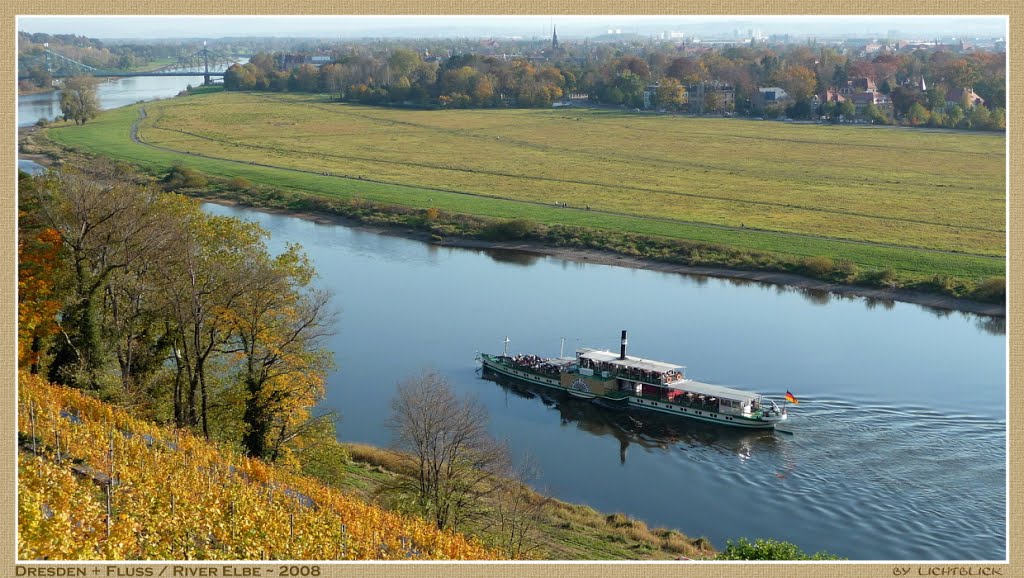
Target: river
{"type": "Point", "coordinates": [898, 444]}
{"type": "Point", "coordinates": [898, 449]}
{"type": "Point", "coordinates": [112, 93]}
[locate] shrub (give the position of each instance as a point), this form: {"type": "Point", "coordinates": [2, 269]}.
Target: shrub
{"type": "Point", "coordinates": [618, 520]}
{"type": "Point", "coordinates": [847, 270]}
{"type": "Point", "coordinates": [509, 230]}
{"type": "Point", "coordinates": [326, 462]}
{"type": "Point", "coordinates": [884, 277]}
{"type": "Point", "coordinates": [239, 183]}
{"type": "Point", "coordinates": [183, 177]}
{"type": "Point", "coordinates": [818, 266]}
{"type": "Point", "coordinates": [767, 549]}
{"type": "Point", "coordinates": [992, 290]}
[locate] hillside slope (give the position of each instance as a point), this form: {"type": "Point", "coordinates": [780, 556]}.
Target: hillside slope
{"type": "Point", "coordinates": [96, 483]}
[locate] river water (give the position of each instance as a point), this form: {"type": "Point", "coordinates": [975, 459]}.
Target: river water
{"type": "Point", "coordinates": [898, 444]}
{"type": "Point", "coordinates": [898, 450]}
{"type": "Point", "coordinates": [113, 93]}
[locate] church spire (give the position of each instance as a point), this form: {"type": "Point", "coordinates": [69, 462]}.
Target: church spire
{"type": "Point", "coordinates": [554, 38]}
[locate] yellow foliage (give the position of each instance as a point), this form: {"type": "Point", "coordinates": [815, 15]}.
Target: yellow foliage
{"type": "Point", "coordinates": [177, 497]}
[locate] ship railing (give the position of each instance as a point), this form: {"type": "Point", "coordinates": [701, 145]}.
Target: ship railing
{"type": "Point", "coordinates": [682, 401]}
{"type": "Point", "coordinates": [640, 379]}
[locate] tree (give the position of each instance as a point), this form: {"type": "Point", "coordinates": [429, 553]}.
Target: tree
{"type": "Point", "coordinates": [979, 117]}
{"type": "Point", "coordinates": [847, 109]}
{"type": "Point", "coordinates": [712, 101]}
{"type": "Point", "coordinates": [875, 114]}
{"type": "Point", "coordinates": [670, 93]}
{"type": "Point", "coordinates": [78, 99]}
{"type": "Point", "coordinates": [106, 225]}
{"type": "Point", "coordinates": [278, 324]}
{"type": "Point", "coordinates": [446, 444]}
{"type": "Point", "coordinates": [998, 118]}
{"type": "Point", "coordinates": [686, 70]}
{"type": "Point", "coordinates": [518, 511]}
{"type": "Point", "coordinates": [917, 115]}
{"type": "Point", "coordinates": [936, 96]}
{"type": "Point", "coordinates": [828, 110]}
{"type": "Point", "coordinates": [38, 274]}
{"type": "Point", "coordinates": [800, 82]}
{"type": "Point", "coordinates": [954, 116]}
{"type": "Point", "coordinates": [200, 283]}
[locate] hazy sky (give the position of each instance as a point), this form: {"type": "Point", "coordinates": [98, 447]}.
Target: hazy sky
{"type": "Point", "coordinates": [483, 26]}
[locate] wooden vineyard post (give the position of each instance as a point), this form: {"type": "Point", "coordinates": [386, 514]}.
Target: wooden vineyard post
{"type": "Point", "coordinates": [344, 541]}
{"type": "Point", "coordinates": [32, 425]}
{"type": "Point", "coordinates": [56, 437]}
{"type": "Point", "coordinates": [108, 489]}
{"type": "Point", "coordinates": [291, 535]}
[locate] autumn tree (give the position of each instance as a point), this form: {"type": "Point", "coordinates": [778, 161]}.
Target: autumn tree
{"type": "Point", "coordinates": [106, 224]}
{"type": "Point", "coordinates": [279, 324]}
{"type": "Point", "coordinates": [670, 93]}
{"type": "Point", "coordinates": [38, 277]}
{"type": "Point", "coordinates": [800, 82]}
{"type": "Point", "coordinates": [200, 283]}
{"type": "Point", "coordinates": [78, 100]}
{"type": "Point", "coordinates": [917, 115]}
{"type": "Point", "coordinates": [686, 70]}
{"type": "Point", "coordinates": [445, 441]}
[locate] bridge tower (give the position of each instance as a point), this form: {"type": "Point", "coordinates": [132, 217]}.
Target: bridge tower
{"type": "Point", "coordinates": [205, 53]}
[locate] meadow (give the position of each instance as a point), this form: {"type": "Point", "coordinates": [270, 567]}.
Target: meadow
{"type": "Point", "coordinates": [922, 202]}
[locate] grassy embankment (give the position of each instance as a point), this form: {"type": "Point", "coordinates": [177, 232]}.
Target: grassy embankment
{"type": "Point", "coordinates": [176, 496]}
{"type": "Point", "coordinates": [921, 209]}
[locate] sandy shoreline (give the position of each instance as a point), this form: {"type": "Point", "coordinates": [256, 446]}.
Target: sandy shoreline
{"type": "Point", "coordinates": [607, 258]}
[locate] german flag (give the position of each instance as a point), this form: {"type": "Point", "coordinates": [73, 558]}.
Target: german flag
{"type": "Point", "coordinates": [791, 398]}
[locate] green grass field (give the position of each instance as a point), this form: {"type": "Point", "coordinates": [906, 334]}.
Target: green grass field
{"type": "Point", "coordinates": [922, 202]}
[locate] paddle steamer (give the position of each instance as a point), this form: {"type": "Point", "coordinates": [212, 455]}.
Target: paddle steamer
{"type": "Point", "coordinates": [620, 381]}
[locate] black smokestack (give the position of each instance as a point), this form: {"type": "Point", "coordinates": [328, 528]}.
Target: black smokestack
{"type": "Point", "coordinates": [622, 350]}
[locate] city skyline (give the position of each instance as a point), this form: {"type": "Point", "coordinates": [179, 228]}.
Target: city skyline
{"type": "Point", "coordinates": [474, 26]}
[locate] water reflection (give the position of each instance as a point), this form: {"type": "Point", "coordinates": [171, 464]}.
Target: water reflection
{"type": "Point", "coordinates": [873, 302]}
{"type": "Point", "coordinates": [816, 296]}
{"type": "Point", "coordinates": [646, 429]}
{"type": "Point", "coordinates": [513, 257]}
{"type": "Point", "coordinates": [990, 325]}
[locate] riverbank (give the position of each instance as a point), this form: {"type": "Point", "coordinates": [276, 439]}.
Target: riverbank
{"type": "Point", "coordinates": [883, 278]}
{"type": "Point", "coordinates": [584, 255]}
{"type": "Point", "coordinates": [22, 91]}
{"type": "Point", "coordinates": [581, 255]}
{"type": "Point", "coordinates": [560, 531]}
{"type": "Point", "coordinates": [729, 202]}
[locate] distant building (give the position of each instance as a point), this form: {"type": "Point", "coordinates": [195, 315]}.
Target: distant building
{"type": "Point", "coordinates": [862, 99]}
{"type": "Point", "coordinates": [770, 94]}
{"type": "Point", "coordinates": [294, 60]}
{"type": "Point", "coordinates": [856, 85]}
{"type": "Point", "coordinates": [956, 96]}
{"type": "Point", "coordinates": [830, 95]}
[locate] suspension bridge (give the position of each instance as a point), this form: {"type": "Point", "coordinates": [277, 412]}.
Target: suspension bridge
{"type": "Point", "coordinates": [205, 62]}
